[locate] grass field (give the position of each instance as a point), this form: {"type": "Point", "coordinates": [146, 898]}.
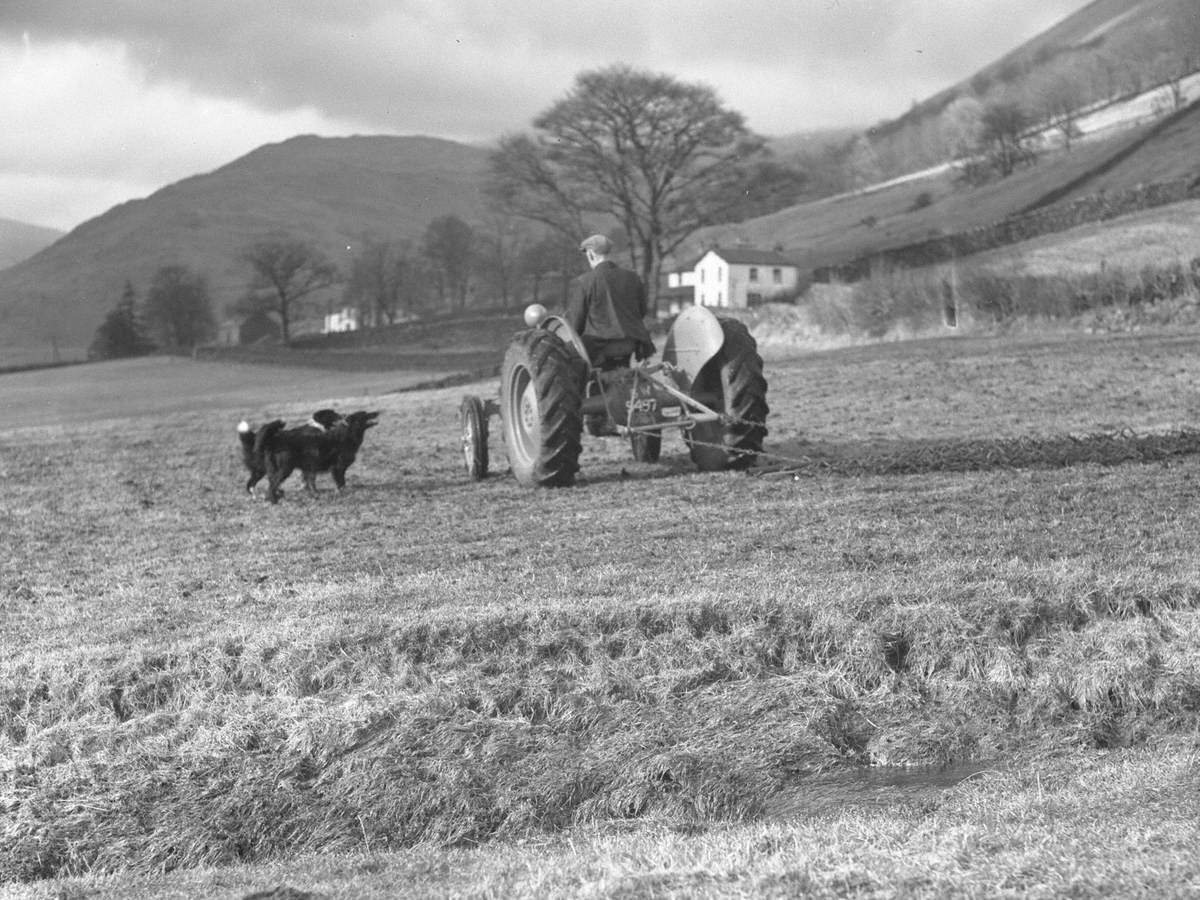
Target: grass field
{"type": "Point", "coordinates": [639, 687]}
{"type": "Point", "coordinates": [165, 387]}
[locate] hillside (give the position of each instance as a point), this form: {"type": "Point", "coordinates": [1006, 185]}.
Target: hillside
{"type": "Point", "coordinates": [332, 191]}
{"type": "Point", "coordinates": [1106, 50]}
{"type": "Point", "coordinates": [838, 229]}
{"type": "Point", "coordinates": [20, 240]}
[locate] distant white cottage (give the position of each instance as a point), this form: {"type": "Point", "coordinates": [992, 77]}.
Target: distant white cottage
{"type": "Point", "coordinates": [343, 319]}
{"type": "Point", "coordinates": [737, 277]}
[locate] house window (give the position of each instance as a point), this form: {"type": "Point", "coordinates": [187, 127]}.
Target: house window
{"type": "Point", "coordinates": [702, 276]}
{"type": "Point", "coordinates": [754, 273]}
{"type": "Point", "coordinates": [777, 276]}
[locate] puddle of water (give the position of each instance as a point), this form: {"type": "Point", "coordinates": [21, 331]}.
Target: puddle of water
{"type": "Point", "coordinates": [873, 786]}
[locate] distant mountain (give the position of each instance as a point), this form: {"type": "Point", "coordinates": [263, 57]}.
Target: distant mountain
{"type": "Point", "coordinates": [20, 240]}
{"type": "Point", "coordinates": [335, 192]}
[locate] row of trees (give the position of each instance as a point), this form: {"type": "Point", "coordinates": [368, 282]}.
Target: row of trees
{"type": "Point", "coordinates": [386, 281]}
{"type": "Point", "coordinates": [454, 265]}
{"type": "Point", "coordinates": [175, 315]}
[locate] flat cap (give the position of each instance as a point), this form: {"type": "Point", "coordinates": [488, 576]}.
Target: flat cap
{"type": "Point", "coordinates": [597, 243]}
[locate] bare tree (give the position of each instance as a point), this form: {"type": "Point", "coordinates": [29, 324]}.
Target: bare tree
{"type": "Point", "coordinates": [179, 309]}
{"type": "Point", "coordinates": [658, 157]}
{"type": "Point", "coordinates": [961, 127]}
{"type": "Point", "coordinates": [861, 163]}
{"type": "Point", "coordinates": [1002, 132]}
{"type": "Point", "coordinates": [554, 258]}
{"type": "Point", "coordinates": [522, 179]}
{"type": "Point", "coordinates": [1175, 63]}
{"type": "Point", "coordinates": [449, 245]}
{"type": "Point", "coordinates": [501, 244]}
{"type": "Point", "coordinates": [121, 333]}
{"type": "Point", "coordinates": [1060, 95]}
{"type": "Point", "coordinates": [286, 272]}
{"type": "Point", "coordinates": [383, 281]}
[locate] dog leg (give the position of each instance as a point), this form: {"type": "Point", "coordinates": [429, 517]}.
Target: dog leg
{"type": "Point", "coordinates": [253, 481]}
{"type": "Point", "coordinates": [278, 476]}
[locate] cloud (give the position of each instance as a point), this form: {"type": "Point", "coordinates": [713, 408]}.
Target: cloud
{"type": "Point", "coordinates": [474, 68]}
{"type": "Point", "coordinates": [144, 92]}
{"type": "Point", "coordinates": [90, 131]}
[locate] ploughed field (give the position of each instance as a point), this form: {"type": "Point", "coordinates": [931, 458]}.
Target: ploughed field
{"type": "Point", "coordinates": [975, 549]}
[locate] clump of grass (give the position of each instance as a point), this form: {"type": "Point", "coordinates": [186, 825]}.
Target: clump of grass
{"type": "Point", "coordinates": [1080, 824]}
{"type": "Point", "coordinates": [459, 731]}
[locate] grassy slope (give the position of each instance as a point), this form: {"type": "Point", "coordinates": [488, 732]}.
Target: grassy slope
{"type": "Point", "coordinates": [1155, 237]}
{"type": "Point", "coordinates": [837, 229]}
{"type": "Point", "coordinates": [1170, 154]}
{"type": "Point", "coordinates": [848, 226]}
{"type": "Point", "coordinates": [426, 659]}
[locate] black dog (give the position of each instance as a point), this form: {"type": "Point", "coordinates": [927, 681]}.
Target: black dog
{"type": "Point", "coordinates": [253, 458]}
{"type": "Point", "coordinates": [311, 448]}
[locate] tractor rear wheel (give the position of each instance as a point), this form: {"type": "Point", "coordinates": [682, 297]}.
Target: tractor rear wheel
{"type": "Point", "coordinates": [735, 377]}
{"type": "Point", "coordinates": [541, 399]}
{"type": "Point", "coordinates": [472, 418]}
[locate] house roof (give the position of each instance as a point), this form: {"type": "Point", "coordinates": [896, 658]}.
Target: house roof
{"type": "Point", "coordinates": [688, 265]}
{"type": "Point", "coordinates": [749, 256]}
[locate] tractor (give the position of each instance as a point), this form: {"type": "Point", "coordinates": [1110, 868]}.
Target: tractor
{"type": "Point", "coordinates": [708, 383]}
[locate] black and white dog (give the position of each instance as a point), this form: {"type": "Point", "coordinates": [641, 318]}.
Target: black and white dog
{"type": "Point", "coordinates": [328, 442]}
{"type": "Point", "coordinates": [253, 459]}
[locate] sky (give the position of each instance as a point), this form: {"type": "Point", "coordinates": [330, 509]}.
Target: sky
{"type": "Point", "coordinates": [103, 101]}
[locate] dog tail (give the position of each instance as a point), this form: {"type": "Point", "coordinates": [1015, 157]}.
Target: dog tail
{"type": "Point", "coordinates": [266, 435]}
{"type": "Point", "coordinates": [245, 434]}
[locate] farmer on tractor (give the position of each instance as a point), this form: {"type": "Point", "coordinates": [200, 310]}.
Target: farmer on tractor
{"type": "Point", "coordinates": [607, 307]}
{"type": "Point", "coordinates": [567, 373]}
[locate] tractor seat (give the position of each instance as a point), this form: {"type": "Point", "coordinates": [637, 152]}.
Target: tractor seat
{"type": "Point", "coordinates": [607, 354]}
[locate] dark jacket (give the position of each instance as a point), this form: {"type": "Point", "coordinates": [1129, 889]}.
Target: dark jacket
{"type": "Point", "coordinates": [608, 303]}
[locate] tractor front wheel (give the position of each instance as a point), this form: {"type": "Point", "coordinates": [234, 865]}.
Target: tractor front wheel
{"type": "Point", "coordinates": [541, 399]}
{"type": "Point", "coordinates": [735, 378]}
{"type": "Point", "coordinates": [472, 419]}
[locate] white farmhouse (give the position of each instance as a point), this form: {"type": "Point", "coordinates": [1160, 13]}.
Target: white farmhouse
{"type": "Point", "coordinates": [738, 277]}
{"type": "Point", "coordinates": [343, 319]}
